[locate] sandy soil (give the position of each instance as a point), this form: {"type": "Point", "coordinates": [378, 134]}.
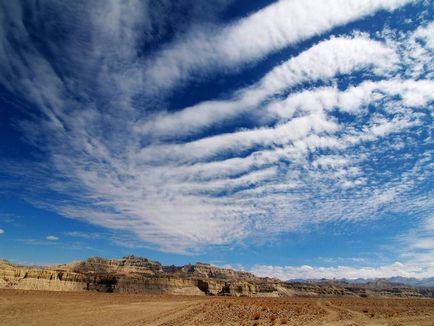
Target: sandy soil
{"type": "Point", "coordinates": [18, 307]}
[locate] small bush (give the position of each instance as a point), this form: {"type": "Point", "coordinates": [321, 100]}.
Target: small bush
{"type": "Point", "coordinates": [257, 316]}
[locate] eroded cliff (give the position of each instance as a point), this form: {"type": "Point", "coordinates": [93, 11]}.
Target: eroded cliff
{"type": "Point", "coordinates": [139, 275]}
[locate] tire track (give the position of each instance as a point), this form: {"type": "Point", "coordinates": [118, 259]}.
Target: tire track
{"type": "Point", "coordinates": [169, 317]}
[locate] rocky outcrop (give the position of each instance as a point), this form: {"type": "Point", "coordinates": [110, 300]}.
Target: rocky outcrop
{"type": "Point", "coordinates": [129, 275]}
{"type": "Point", "coordinates": [139, 275]}
{"type": "Point", "coordinates": [32, 278]}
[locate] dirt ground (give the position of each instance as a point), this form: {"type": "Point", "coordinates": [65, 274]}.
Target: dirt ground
{"type": "Point", "coordinates": [18, 307]}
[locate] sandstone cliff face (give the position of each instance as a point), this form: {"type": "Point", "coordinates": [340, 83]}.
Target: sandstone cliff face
{"type": "Point", "coordinates": [129, 275]}
{"type": "Point", "coordinates": [129, 264]}
{"type": "Point", "coordinates": [140, 275]}
{"type": "Point", "coordinates": [20, 277]}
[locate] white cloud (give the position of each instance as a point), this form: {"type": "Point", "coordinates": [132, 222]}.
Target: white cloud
{"type": "Point", "coordinates": [415, 49]}
{"type": "Point", "coordinates": [413, 93]}
{"type": "Point", "coordinates": [417, 244]}
{"type": "Point", "coordinates": [277, 26]}
{"type": "Point", "coordinates": [426, 34]}
{"type": "Point", "coordinates": [340, 272]}
{"type": "Point", "coordinates": [168, 183]}
{"type": "Point", "coordinates": [52, 238]}
{"type": "Point", "coordinates": [415, 249]}
{"type": "Point", "coordinates": [2, 231]}
{"type": "Point", "coordinates": [341, 55]}
{"type": "Point", "coordinates": [311, 106]}
{"type": "Point", "coordinates": [295, 129]}
{"type": "Point", "coordinates": [86, 235]}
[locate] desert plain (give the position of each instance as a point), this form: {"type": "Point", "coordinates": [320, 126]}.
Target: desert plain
{"type": "Point", "coordinates": [27, 307]}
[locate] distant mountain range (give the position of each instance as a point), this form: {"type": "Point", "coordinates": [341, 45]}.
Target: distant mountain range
{"type": "Point", "coordinates": [412, 281]}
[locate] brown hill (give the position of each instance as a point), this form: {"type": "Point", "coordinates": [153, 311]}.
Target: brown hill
{"type": "Point", "coordinates": [139, 275]}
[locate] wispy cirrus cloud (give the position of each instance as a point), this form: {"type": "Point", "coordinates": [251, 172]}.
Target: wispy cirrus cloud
{"type": "Point", "coordinates": [277, 26]}
{"type": "Point", "coordinates": [338, 56]}
{"type": "Point", "coordinates": [316, 149]}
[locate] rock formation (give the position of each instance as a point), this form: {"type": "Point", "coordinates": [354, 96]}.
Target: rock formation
{"type": "Point", "coordinates": [139, 275]}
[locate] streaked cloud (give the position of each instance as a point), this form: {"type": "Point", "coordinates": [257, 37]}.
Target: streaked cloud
{"type": "Point", "coordinates": [339, 131]}
{"type": "Point", "coordinates": [277, 26]}
{"type": "Point", "coordinates": [51, 238]}
{"type": "Point", "coordinates": [338, 56]}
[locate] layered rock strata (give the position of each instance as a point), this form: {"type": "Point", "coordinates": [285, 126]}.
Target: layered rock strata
{"type": "Point", "coordinates": [139, 275]}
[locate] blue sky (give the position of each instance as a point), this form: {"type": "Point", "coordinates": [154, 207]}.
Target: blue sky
{"type": "Point", "coordinates": [287, 138]}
